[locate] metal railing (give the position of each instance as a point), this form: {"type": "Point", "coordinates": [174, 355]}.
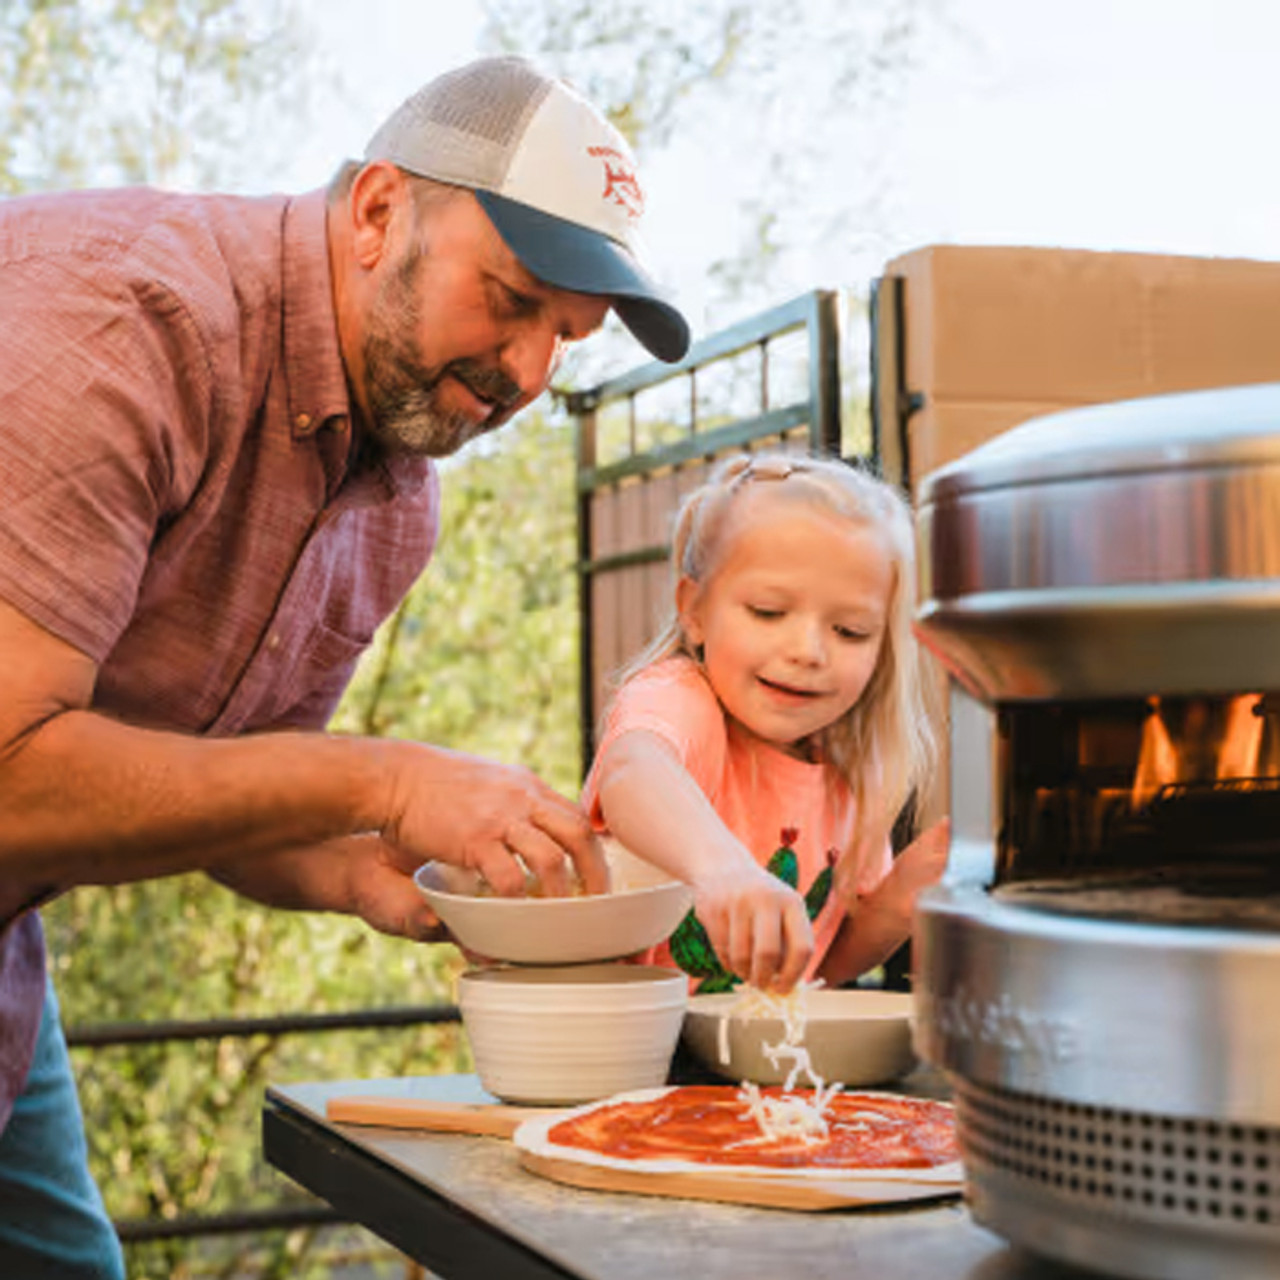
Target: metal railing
{"type": "Point", "coordinates": [281, 1216]}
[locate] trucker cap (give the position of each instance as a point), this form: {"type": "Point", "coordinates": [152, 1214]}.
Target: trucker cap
{"type": "Point", "coordinates": [557, 180]}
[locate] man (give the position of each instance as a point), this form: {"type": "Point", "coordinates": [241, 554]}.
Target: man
{"type": "Point", "coordinates": [217, 424]}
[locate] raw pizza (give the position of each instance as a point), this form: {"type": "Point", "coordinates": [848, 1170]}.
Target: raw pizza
{"type": "Point", "coordinates": [703, 1141]}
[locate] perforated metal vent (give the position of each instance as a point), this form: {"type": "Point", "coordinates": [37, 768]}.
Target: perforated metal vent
{"type": "Point", "coordinates": [1198, 1173]}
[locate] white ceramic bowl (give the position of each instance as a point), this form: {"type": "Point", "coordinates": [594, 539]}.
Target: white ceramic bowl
{"type": "Point", "coordinates": [859, 1037]}
{"type": "Point", "coordinates": [642, 909]}
{"type": "Point", "coordinates": [574, 1033]}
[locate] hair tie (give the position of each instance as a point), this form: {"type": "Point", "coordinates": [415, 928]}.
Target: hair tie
{"type": "Point", "coordinates": [740, 471]}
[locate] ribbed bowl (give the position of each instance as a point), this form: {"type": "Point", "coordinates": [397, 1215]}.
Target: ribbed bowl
{"type": "Point", "coordinates": [572, 1033]}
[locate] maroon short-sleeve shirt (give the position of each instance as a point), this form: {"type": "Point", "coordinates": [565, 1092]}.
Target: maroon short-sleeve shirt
{"type": "Point", "coordinates": [178, 496]}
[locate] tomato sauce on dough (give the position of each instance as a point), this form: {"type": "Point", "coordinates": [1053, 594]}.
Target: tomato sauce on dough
{"type": "Point", "coordinates": [712, 1124]}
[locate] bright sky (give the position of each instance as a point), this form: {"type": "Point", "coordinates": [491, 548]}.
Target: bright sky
{"type": "Point", "coordinates": [1136, 124]}
{"type": "Point", "coordinates": [1099, 124]}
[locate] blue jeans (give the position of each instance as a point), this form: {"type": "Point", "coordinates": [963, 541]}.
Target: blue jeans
{"type": "Point", "coordinates": [53, 1225]}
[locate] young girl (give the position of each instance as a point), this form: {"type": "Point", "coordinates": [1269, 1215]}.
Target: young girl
{"type": "Point", "coordinates": [762, 746]}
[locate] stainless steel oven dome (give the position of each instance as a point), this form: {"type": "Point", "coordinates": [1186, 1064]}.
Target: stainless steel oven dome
{"type": "Point", "coordinates": [1110, 551]}
{"type": "Point", "coordinates": [1104, 584]}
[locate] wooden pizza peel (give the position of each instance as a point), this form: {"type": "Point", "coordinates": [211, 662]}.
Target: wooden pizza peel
{"type": "Point", "coordinates": [487, 1119]}
{"type": "Point", "coordinates": [501, 1120]}
{"type": "Point", "coordinates": [739, 1188]}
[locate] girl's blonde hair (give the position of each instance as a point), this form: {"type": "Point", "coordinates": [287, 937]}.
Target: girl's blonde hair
{"type": "Point", "coordinates": [885, 744]}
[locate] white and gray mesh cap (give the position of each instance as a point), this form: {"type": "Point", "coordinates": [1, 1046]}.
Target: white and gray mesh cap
{"type": "Point", "coordinates": [557, 180]}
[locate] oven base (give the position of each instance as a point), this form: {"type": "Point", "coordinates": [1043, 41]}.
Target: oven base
{"type": "Point", "coordinates": [1130, 1194]}
{"type": "Point", "coordinates": [1107, 1245]}
{"type": "Point", "coordinates": [1154, 1018]}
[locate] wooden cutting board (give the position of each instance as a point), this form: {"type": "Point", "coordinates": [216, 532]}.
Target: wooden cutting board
{"type": "Point", "coordinates": [732, 1188]}
{"type": "Point", "coordinates": [488, 1119]}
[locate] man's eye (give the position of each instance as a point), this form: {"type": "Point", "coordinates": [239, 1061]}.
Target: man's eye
{"type": "Point", "coordinates": [516, 303]}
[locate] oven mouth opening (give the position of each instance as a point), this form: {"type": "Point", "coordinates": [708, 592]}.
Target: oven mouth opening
{"type": "Point", "coordinates": [1143, 810]}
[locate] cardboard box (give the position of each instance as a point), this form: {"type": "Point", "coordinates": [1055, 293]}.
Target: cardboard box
{"type": "Point", "coordinates": [992, 336]}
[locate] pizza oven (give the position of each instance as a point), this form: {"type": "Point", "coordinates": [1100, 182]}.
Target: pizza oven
{"type": "Point", "coordinates": [1098, 973]}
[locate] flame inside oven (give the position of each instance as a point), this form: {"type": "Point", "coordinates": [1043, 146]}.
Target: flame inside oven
{"type": "Point", "coordinates": [1210, 742]}
{"type": "Point", "coordinates": [1165, 807]}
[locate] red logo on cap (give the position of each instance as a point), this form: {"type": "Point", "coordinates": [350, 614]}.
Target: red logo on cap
{"type": "Point", "coordinates": [620, 182]}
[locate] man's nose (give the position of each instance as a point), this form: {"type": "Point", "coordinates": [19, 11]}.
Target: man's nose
{"type": "Point", "coordinates": [532, 356]}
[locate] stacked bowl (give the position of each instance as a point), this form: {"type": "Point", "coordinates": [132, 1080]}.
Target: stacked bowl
{"type": "Point", "coordinates": [553, 1014]}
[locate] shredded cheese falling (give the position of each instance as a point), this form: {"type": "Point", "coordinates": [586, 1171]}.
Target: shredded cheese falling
{"type": "Point", "coordinates": [787, 1116]}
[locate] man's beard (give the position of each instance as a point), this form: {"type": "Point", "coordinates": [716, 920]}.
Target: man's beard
{"type": "Point", "coordinates": [403, 391]}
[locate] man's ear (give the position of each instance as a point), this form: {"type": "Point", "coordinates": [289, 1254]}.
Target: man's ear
{"type": "Point", "coordinates": [689, 609]}
{"type": "Point", "coordinates": [377, 193]}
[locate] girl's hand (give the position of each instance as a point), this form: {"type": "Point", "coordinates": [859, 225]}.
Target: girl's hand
{"type": "Point", "coordinates": [914, 869]}
{"type": "Point", "coordinates": [924, 860]}
{"type": "Point", "coordinates": [757, 924]}
{"type": "Point", "coordinates": [880, 923]}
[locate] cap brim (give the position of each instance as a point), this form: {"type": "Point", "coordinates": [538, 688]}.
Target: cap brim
{"type": "Point", "coordinates": [569, 256]}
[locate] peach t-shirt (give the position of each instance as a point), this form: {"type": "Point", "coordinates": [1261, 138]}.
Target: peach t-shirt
{"type": "Point", "coordinates": [758, 790]}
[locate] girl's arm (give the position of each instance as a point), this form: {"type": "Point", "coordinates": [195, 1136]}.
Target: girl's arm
{"type": "Point", "coordinates": [881, 922]}
{"type": "Point", "coordinates": [756, 923]}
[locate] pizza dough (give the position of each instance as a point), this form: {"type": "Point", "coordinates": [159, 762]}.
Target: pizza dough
{"type": "Point", "coordinates": [702, 1142]}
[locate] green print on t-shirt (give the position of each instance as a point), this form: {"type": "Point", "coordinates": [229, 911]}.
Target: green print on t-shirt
{"type": "Point", "coordinates": [691, 948]}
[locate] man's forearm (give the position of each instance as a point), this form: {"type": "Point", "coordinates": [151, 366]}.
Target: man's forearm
{"type": "Point", "coordinates": [88, 799]}
{"type": "Point", "coordinates": [85, 799]}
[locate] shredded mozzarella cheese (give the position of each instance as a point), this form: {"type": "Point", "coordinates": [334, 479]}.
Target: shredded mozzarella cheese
{"type": "Point", "coordinates": [787, 1116]}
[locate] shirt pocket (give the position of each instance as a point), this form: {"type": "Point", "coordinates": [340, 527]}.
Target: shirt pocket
{"type": "Point", "coordinates": [293, 684]}
{"type": "Point", "coordinates": [323, 678]}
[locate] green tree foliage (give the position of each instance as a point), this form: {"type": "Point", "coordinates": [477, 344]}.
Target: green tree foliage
{"type": "Point", "coordinates": [173, 1128]}
{"type": "Point", "coordinates": [173, 92]}
{"type": "Point", "coordinates": [483, 652]}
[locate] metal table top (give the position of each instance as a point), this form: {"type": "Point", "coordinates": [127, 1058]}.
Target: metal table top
{"type": "Point", "coordinates": [463, 1207]}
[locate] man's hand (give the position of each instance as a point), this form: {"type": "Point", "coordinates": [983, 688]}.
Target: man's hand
{"type": "Point", "coordinates": [85, 799]}
{"type": "Point", "coordinates": [481, 815]}
{"type": "Point", "coordinates": [359, 875]}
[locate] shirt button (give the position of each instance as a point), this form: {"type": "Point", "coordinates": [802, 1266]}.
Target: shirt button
{"type": "Point", "coordinates": [303, 421]}
{"type": "Point", "coordinates": [273, 641]}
